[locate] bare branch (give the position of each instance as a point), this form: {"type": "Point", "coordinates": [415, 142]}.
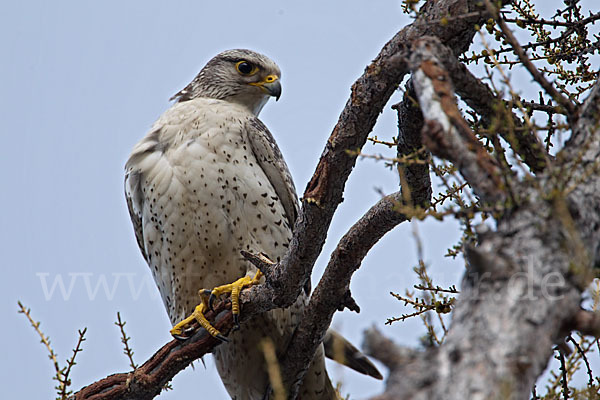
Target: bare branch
{"type": "Point", "coordinates": [522, 288]}
{"type": "Point", "coordinates": [446, 133]}
{"type": "Point", "coordinates": [324, 191]}
{"type": "Point", "coordinates": [333, 288]}
{"type": "Point", "coordinates": [147, 381]}
{"type": "Point", "coordinates": [71, 362]}
{"type": "Point", "coordinates": [542, 21]}
{"type": "Point", "coordinates": [333, 291]}
{"type": "Point", "coordinates": [383, 349]}
{"type": "Point", "coordinates": [413, 175]}
{"type": "Point", "coordinates": [493, 110]}
{"type": "Point", "coordinates": [125, 340]}
{"type": "Point", "coordinates": [535, 73]}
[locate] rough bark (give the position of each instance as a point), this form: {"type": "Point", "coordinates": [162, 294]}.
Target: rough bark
{"type": "Point", "coordinates": [493, 111]}
{"type": "Point", "coordinates": [369, 95]}
{"type": "Point", "coordinates": [522, 289]}
{"type": "Point", "coordinates": [415, 181]}
{"type": "Point", "coordinates": [351, 132]}
{"type": "Point", "coordinates": [333, 291]}
{"type": "Point", "coordinates": [445, 132]}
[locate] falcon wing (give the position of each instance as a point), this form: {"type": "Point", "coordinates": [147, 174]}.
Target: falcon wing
{"type": "Point", "coordinates": [273, 165]}
{"type": "Point", "coordinates": [133, 185]}
{"type": "Point", "coordinates": [271, 161]}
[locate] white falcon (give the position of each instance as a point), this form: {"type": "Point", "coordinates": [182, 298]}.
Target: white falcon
{"type": "Point", "coordinates": [206, 182]}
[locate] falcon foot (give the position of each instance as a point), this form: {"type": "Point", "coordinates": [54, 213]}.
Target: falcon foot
{"type": "Point", "coordinates": [198, 315]}
{"type": "Point", "coordinates": [234, 288]}
{"type": "Point", "coordinates": [178, 331]}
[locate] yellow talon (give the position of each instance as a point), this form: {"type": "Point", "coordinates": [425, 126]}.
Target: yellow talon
{"type": "Point", "coordinates": [235, 288]}
{"type": "Point", "coordinates": [198, 313]}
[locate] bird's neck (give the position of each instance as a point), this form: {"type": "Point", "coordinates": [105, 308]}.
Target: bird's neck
{"type": "Point", "coordinates": [254, 104]}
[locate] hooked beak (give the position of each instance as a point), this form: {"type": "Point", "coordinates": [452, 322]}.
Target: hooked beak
{"type": "Point", "coordinates": [270, 85]}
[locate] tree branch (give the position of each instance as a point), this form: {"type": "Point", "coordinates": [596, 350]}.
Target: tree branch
{"type": "Point", "coordinates": [414, 177]}
{"type": "Point", "coordinates": [147, 381]}
{"type": "Point", "coordinates": [334, 285]}
{"type": "Point", "coordinates": [493, 111]}
{"type": "Point", "coordinates": [324, 191]}
{"type": "Point", "coordinates": [523, 284]}
{"type": "Point", "coordinates": [392, 356]}
{"type": "Point", "coordinates": [446, 133]}
{"type": "Point", "coordinates": [383, 349]}
{"type": "Point", "coordinates": [333, 290]}
{"type": "Point", "coordinates": [535, 73]}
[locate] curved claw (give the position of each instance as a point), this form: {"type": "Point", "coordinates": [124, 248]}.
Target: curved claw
{"type": "Point", "coordinates": [181, 333]}
{"type": "Point", "coordinates": [222, 338]}
{"type": "Point", "coordinates": [181, 338]}
{"type": "Point", "coordinates": [211, 302]}
{"type": "Point", "coordinates": [236, 322]}
{"type": "Point", "coordinates": [267, 392]}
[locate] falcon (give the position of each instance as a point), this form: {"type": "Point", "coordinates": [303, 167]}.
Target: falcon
{"type": "Point", "coordinates": [205, 183]}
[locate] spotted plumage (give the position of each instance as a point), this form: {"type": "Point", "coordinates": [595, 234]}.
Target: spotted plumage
{"type": "Point", "coordinates": [206, 182]}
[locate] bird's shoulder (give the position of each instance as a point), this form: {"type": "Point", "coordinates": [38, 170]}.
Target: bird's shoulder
{"type": "Point", "coordinates": [201, 108]}
{"type": "Point", "coordinates": [194, 117]}
{"type": "Point", "coordinates": [184, 122]}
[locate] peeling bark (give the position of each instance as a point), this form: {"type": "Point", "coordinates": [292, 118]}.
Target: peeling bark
{"type": "Point", "coordinates": [522, 289]}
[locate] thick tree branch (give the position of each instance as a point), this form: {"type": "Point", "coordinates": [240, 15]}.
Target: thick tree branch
{"type": "Point", "coordinates": [446, 133]}
{"type": "Point", "coordinates": [493, 111]}
{"type": "Point", "coordinates": [324, 192]}
{"type": "Point", "coordinates": [414, 176]}
{"type": "Point", "coordinates": [369, 94]}
{"type": "Point", "coordinates": [333, 289]}
{"type": "Point", "coordinates": [334, 284]}
{"type": "Point", "coordinates": [583, 142]}
{"type": "Point", "coordinates": [391, 355]}
{"type": "Point", "coordinates": [523, 285]}
{"type": "Point", "coordinates": [385, 350]}
{"type": "Point", "coordinates": [579, 170]}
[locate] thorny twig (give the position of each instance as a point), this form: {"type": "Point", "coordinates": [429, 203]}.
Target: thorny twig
{"type": "Point", "coordinates": [125, 340]}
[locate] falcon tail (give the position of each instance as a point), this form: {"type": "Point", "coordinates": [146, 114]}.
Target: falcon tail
{"type": "Point", "coordinates": [340, 350]}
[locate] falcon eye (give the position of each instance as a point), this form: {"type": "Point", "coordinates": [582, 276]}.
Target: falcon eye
{"type": "Point", "coordinates": [245, 68]}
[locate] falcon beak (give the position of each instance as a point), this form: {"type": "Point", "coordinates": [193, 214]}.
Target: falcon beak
{"type": "Point", "coordinates": [273, 89]}
{"type": "Point", "coordinates": [270, 85]}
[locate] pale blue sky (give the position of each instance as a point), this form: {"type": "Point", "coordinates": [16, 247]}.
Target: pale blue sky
{"type": "Point", "coordinates": [80, 84]}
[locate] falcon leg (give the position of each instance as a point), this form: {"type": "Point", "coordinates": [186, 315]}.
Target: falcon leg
{"type": "Point", "coordinates": [234, 288]}
{"type": "Point", "coordinates": [197, 315]}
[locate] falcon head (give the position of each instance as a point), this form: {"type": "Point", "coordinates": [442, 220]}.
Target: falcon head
{"type": "Point", "coordinates": [239, 76]}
